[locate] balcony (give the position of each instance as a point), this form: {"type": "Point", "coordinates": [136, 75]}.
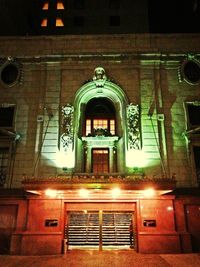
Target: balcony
{"type": "Point", "coordinates": [101, 181]}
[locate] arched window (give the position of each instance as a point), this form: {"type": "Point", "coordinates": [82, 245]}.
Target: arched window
{"type": "Point", "coordinates": [99, 115]}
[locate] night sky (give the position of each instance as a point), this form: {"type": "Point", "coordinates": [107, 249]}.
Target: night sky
{"type": "Point", "coordinates": [174, 16]}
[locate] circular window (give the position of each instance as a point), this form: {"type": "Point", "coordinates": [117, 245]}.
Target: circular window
{"type": "Point", "coordinates": [191, 71]}
{"type": "Point", "coordinates": [10, 72]}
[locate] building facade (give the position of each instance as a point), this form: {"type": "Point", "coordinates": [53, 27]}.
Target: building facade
{"type": "Point", "coordinates": [97, 131]}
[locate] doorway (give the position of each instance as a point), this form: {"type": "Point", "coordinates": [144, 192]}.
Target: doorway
{"type": "Point", "coordinates": [99, 229]}
{"type": "Point", "coordinates": [100, 159]}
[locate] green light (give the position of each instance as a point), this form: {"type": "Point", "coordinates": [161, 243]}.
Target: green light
{"type": "Point", "coordinates": [65, 160]}
{"type": "Point", "coordinates": [135, 158]}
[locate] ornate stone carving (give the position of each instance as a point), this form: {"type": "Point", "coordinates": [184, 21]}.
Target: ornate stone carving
{"type": "Point", "coordinates": [67, 127]}
{"type": "Point", "coordinates": [99, 77]}
{"type": "Point", "coordinates": [133, 116]}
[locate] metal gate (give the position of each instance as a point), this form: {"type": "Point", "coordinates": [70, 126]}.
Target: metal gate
{"type": "Point", "coordinates": [97, 229]}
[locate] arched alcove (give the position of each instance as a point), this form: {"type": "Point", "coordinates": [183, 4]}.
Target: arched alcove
{"type": "Point", "coordinates": [100, 89]}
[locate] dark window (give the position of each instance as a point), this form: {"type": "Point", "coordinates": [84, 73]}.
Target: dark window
{"type": "Point", "coordinates": [79, 4]}
{"type": "Point", "coordinates": [9, 74]}
{"type": "Point", "coordinates": [79, 21]}
{"type": "Point", "coordinates": [194, 114]}
{"type": "Point", "coordinates": [114, 4]}
{"type": "Point", "coordinates": [114, 20]}
{"type": "Point", "coordinates": [191, 71]}
{"type": "Point", "coordinates": [7, 116]}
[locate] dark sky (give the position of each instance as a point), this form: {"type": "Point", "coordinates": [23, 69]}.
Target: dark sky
{"type": "Point", "coordinates": [174, 16]}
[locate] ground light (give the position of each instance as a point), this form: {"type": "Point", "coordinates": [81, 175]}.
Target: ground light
{"type": "Point", "coordinates": [50, 193]}
{"type": "Point", "coordinates": [84, 193]}
{"type": "Point", "coordinates": [116, 192]}
{"type": "Point", "coordinates": [65, 159]}
{"type": "Point", "coordinates": [135, 158]}
{"type": "Point", "coordinates": [149, 192]}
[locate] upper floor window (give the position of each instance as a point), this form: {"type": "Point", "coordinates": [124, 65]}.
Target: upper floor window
{"type": "Point", "coordinates": [193, 116]}
{"type": "Point", "coordinates": [59, 22]}
{"type": "Point", "coordinates": [7, 116]}
{"type": "Point", "coordinates": [44, 22]}
{"type": "Point", "coordinates": [52, 13]}
{"type": "Point", "coordinates": [45, 5]}
{"type": "Point", "coordinates": [96, 125]}
{"type": "Point", "coordinates": [100, 116]}
{"type": "Point", "coordinates": [60, 5]}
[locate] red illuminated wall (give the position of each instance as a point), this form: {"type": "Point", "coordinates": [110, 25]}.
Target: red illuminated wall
{"type": "Point", "coordinates": [175, 228]}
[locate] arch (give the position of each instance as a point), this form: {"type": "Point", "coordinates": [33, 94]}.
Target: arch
{"type": "Point", "coordinates": [117, 96]}
{"type": "Point", "coordinates": [110, 90]}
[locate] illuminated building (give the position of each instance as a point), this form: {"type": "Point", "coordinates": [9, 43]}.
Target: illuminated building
{"type": "Point", "coordinates": [95, 131]}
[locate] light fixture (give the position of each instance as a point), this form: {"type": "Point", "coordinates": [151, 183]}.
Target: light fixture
{"type": "Point", "coordinates": [149, 192]}
{"type": "Point", "coordinates": [116, 192]}
{"type": "Point", "coordinates": [51, 193]}
{"type": "Point", "coordinates": [84, 193]}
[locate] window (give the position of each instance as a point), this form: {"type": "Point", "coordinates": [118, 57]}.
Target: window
{"type": "Point", "coordinates": [92, 126]}
{"type": "Point", "coordinates": [114, 20]}
{"type": "Point", "coordinates": [100, 124]}
{"type": "Point", "coordinates": [59, 22]}
{"type": "Point", "coordinates": [10, 74]}
{"type": "Point", "coordinates": [193, 117]}
{"type": "Point", "coordinates": [7, 116]}
{"type": "Point", "coordinates": [112, 127]}
{"type": "Point", "coordinates": [45, 6]}
{"type": "Point", "coordinates": [190, 70]}
{"type": "Point", "coordinates": [44, 22]}
{"type": "Point", "coordinates": [60, 5]}
{"type": "Point", "coordinates": [100, 114]}
{"type": "Point", "coordinates": [194, 114]}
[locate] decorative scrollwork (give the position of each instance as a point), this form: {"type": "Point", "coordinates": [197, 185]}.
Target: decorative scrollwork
{"type": "Point", "coordinates": [133, 116]}
{"type": "Point", "coordinates": [67, 127]}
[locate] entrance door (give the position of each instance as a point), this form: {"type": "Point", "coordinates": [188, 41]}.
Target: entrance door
{"type": "Point", "coordinates": [115, 229]}
{"type": "Point", "coordinates": [83, 229]}
{"type": "Point", "coordinates": [99, 229]}
{"type": "Point", "coordinates": [100, 158]}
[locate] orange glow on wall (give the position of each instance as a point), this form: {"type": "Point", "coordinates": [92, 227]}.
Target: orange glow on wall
{"type": "Point", "coordinates": [59, 22]}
